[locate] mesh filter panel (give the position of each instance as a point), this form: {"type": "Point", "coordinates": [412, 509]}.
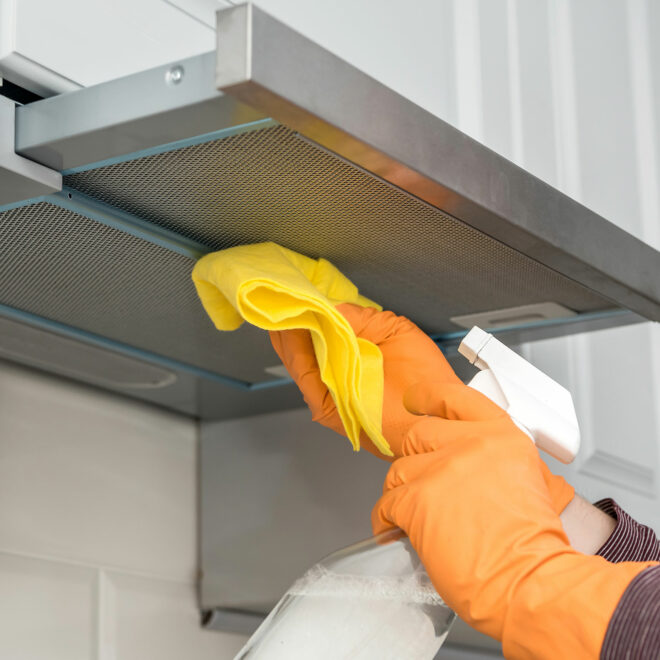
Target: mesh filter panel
{"type": "Point", "coordinates": [273, 185]}
{"type": "Point", "coordinates": [70, 269]}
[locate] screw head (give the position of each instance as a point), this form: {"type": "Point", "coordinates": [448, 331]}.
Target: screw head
{"type": "Point", "coordinates": [175, 75]}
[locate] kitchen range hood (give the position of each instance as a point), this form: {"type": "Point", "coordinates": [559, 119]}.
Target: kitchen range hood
{"type": "Point", "coordinates": [108, 195]}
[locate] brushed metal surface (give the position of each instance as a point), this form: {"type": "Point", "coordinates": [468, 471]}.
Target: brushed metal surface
{"type": "Point", "coordinates": [129, 114]}
{"type": "Point", "coordinates": [271, 185]}
{"type": "Point", "coordinates": [314, 92]}
{"type": "Point", "coordinates": [20, 178]}
{"type": "Point", "coordinates": [62, 266]}
{"type": "Point", "coordinates": [47, 350]}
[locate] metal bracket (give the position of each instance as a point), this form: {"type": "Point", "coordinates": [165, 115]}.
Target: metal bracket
{"type": "Point", "coordinates": [233, 621]}
{"type": "Point", "coordinates": [20, 178]}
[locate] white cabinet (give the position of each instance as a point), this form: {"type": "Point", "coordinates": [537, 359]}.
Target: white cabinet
{"type": "Point", "coordinates": [571, 92]}
{"type": "Point", "coordinates": [606, 146]}
{"type": "Point", "coordinates": [52, 46]}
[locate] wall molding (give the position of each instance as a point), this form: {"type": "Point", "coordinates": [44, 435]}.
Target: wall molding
{"type": "Point", "coordinates": [469, 98]}
{"type": "Point", "coordinates": [565, 103]}
{"type": "Point", "coordinates": [515, 91]}
{"type": "Point", "coordinates": [640, 67]}
{"type": "Point", "coordinates": [632, 476]}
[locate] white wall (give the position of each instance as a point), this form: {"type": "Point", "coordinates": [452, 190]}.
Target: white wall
{"type": "Point", "coordinates": [98, 527]}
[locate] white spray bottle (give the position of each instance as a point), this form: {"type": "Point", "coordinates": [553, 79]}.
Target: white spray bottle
{"type": "Point", "coordinates": [373, 600]}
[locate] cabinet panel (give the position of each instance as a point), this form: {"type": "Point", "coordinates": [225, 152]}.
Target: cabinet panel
{"type": "Point", "coordinates": [112, 484]}
{"type": "Point", "coordinates": [605, 112]}
{"type": "Point", "coordinates": [47, 610]}
{"type": "Point", "coordinates": [578, 122]}
{"type": "Point", "coordinates": [495, 46]}
{"type": "Point", "coordinates": [534, 94]}
{"type": "Point", "coordinates": [145, 618]}
{"type": "Point", "coordinates": [58, 46]}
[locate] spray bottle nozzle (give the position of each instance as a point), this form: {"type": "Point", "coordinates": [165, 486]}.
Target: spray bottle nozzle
{"type": "Point", "coordinates": [537, 404]}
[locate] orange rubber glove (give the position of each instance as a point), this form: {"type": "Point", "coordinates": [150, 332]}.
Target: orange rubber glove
{"type": "Point", "coordinates": [561, 492]}
{"type": "Point", "coordinates": [409, 357]}
{"type": "Point", "coordinates": [478, 511]}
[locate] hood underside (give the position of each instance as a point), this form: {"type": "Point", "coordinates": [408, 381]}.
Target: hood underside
{"type": "Point", "coordinates": [252, 145]}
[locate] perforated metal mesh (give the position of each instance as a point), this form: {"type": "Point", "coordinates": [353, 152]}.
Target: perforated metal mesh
{"type": "Point", "coordinates": [273, 185]}
{"type": "Point", "coordinates": [264, 185]}
{"type": "Point", "coordinates": [64, 267]}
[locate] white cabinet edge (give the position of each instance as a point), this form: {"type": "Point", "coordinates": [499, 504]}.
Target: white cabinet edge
{"type": "Point", "coordinates": [52, 48]}
{"type": "Point", "coordinates": [34, 77]}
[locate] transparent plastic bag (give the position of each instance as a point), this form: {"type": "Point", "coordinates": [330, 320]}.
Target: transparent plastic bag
{"type": "Point", "coordinates": [371, 600]}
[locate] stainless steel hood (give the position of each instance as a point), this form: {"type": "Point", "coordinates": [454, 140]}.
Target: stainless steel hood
{"type": "Point", "coordinates": [273, 138]}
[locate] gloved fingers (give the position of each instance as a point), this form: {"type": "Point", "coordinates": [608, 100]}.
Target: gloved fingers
{"type": "Point", "coordinates": [367, 444]}
{"type": "Point", "coordinates": [431, 434]}
{"type": "Point", "coordinates": [383, 513]}
{"type": "Point", "coordinates": [379, 326]}
{"type": "Point", "coordinates": [400, 338]}
{"type": "Point", "coordinates": [402, 483]}
{"type": "Point", "coordinates": [369, 323]}
{"type": "Point", "coordinates": [561, 492]}
{"type": "Point", "coordinates": [408, 469]}
{"type": "Point", "coordinates": [450, 401]}
{"type": "Point", "coordinates": [292, 344]}
{"type": "Point", "coordinates": [295, 349]}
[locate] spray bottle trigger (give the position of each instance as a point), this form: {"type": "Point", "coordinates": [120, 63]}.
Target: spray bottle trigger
{"type": "Point", "coordinates": [487, 383]}
{"type": "Point", "coordinates": [538, 405]}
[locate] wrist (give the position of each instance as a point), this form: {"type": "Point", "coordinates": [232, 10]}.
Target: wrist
{"type": "Point", "coordinates": [587, 527]}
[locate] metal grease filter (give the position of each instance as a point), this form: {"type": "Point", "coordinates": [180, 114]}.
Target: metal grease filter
{"type": "Point", "coordinates": [65, 267]}
{"type": "Point", "coordinates": [273, 185]}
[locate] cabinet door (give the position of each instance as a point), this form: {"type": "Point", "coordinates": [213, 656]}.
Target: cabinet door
{"type": "Point", "coordinates": [52, 46]}
{"type": "Point", "coordinates": [584, 116]}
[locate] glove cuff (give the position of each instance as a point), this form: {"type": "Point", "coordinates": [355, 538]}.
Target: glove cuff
{"type": "Point", "coordinates": [563, 608]}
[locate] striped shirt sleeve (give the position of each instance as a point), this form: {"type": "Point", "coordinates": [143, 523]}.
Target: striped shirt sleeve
{"type": "Point", "coordinates": [634, 630]}
{"type": "Point", "coordinates": [630, 540]}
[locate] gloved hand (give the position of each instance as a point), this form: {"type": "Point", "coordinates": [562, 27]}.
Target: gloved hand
{"type": "Point", "coordinates": [421, 397]}
{"type": "Point", "coordinates": [409, 356]}
{"type": "Point", "coordinates": [479, 513]}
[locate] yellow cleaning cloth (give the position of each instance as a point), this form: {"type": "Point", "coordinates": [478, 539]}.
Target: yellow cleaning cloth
{"type": "Point", "coordinates": [278, 289]}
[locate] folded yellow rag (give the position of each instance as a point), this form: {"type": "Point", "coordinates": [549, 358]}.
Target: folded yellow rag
{"type": "Point", "coordinates": [278, 289]}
